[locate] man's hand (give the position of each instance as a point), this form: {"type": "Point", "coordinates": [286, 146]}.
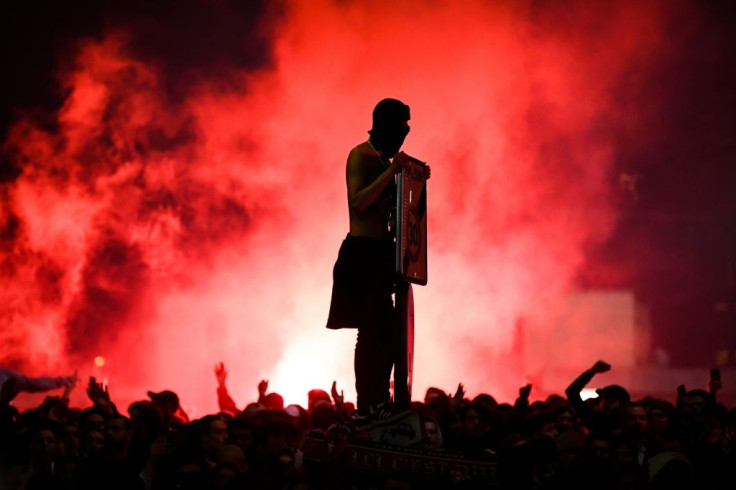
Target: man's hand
{"type": "Point", "coordinates": [525, 391]}
{"type": "Point", "coordinates": [8, 391]}
{"type": "Point", "coordinates": [600, 367]}
{"type": "Point", "coordinates": [71, 383]}
{"type": "Point", "coordinates": [262, 388]}
{"type": "Point", "coordinates": [97, 392]}
{"type": "Point", "coordinates": [714, 383]}
{"type": "Point", "coordinates": [400, 161]}
{"type": "Point", "coordinates": [220, 374]}
{"type": "Point", "coordinates": [459, 393]}
{"type": "Point", "coordinates": [339, 399]}
{"type": "Point", "coordinates": [160, 448]}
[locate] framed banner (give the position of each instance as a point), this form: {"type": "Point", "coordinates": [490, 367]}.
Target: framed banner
{"type": "Point", "coordinates": [411, 223]}
{"type": "Point", "coordinates": [411, 267]}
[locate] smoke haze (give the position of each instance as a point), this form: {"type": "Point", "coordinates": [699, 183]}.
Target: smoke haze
{"type": "Point", "coordinates": [181, 200]}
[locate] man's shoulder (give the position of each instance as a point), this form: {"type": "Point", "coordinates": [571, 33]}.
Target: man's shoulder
{"type": "Point", "coordinates": [363, 149]}
{"type": "Point", "coordinates": [364, 154]}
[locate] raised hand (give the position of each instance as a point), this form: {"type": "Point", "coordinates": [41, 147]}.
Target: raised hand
{"type": "Point", "coordinates": [459, 393]}
{"type": "Point", "coordinates": [262, 387]}
{"type": "Point", "coordinates": [220, 373]}
{"type": "Point", "coordinates": [524, 391]}
{"type": "Point", "coordinates": [600, 367]}
{"type": "Point", "coordinates": [97, 392]}
{"type": "Point", "coordinates": [339, 399]}
{"type": "Point", "coordinates": [71, 383]}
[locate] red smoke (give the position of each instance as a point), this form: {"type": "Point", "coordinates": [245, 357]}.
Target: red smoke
{"type": "Point", "coordinates": [167, 235]}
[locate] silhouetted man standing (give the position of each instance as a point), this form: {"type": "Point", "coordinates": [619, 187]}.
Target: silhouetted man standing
{"type": "Point", "coordinates": [364, 272]}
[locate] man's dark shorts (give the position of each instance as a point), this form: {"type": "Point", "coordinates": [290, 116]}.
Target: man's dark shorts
{"type": "Point", "coordinates": [363, 281]}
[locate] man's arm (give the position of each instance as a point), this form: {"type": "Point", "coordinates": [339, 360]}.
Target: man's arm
{"type": "Point", "coordinates": [224, 400]}
{"type": "Point", "coordinates": [35, 385]}
{"type": "Point", "coordinates": [362, 191]}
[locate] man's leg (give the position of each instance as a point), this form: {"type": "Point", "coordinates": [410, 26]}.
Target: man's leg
{"type": "Point", "coordinates": [373, 362]}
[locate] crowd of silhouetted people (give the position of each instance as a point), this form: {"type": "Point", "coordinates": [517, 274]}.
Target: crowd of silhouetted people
{"type": "Point", "coordinates": [563, 442]}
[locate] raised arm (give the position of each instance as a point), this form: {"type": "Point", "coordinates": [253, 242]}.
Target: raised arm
{"type": "Point", "coordinates": [224, 400]}
{"type": "Point", "coordinates": [34, 385]}
{"type": "Point", "coordinates": [573, 391]}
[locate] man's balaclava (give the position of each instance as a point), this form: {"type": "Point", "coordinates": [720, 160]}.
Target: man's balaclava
{"type": "Point", "coordinates": [388, 132]}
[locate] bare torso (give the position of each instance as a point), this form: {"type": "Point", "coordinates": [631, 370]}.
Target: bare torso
{"type": "Point", "coordinates": [369, 198]}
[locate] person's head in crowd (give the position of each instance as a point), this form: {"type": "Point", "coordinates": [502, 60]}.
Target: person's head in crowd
{"type": "Point", "coordinates": [634, 421]}
{"type": "Point", "coordinates": [53, 408]}
{"type": "Point", "coordinates": [273, 401]}
{"type": "Point", "coordinates": [212, 434]}
{"type": "Point", "coordinates": [223, 476]}
{"type": "Point", "coordinates": [713, 418]}
{"type": "Point", "coordinates": [624, 452]}
{"type": "Point", "coordinates": [662, 417]}
{"type": "Point", "coordinates": [317, 396]}
{"type": "Point", "coordinates": [432, 394]}
{"type": "Point", "coordinates": [299, 416]}
{"type": "Point", "coordinates": [242, 432]}
{"type": "Point", "coordinates": [570, 445]}
{"type": "Point", "coordinates": [431, 434]}
{"type": "Point", "coordinates": [323, 416]}
{"type": "Point", "coordinates": [670, 470]}
{"type": "Point", "coordinates": [487, 401]}
{"type": "Point", "coordinates": [503, 420]}
{"type": "Point", "coordinates": [612, 397]}
{"type": "Point", "coordinates": [146, 420]}
{"type": "Point", "coordinates": [529, 464]}
{"type": "Point", "coordinates": [66, 469]}
{"type": "Point", "coordinates": [598, 446]}
{"type": "Point", "coordinates": [91, 419]}
{"type": "Point", "coordinates": [168, 402]}
{"type": "Point", "coordinates": [92, 444]}
{"type": "Point", "coordinates": [631, 477]}
{"type": "Point", "coordinates": [118, 434]}
{"type": "Point", "coordinates": [277, 435]}
{"type": "Point", "coordinates": [539, 407]}
{"type": "Point", "coordinates": [252, 409]}
{"type": "Point", "coordinates": [475, 420]}
{"type": "Point", "coordinates": [339, 435]}
{"type": "Point", "coordinates": [69, 440]}
{"type": "Point", "coordinates": [232, 455]}
{"type": "Point", "coordinates": [44, 447]}
{"type": "Point", "coordinates": [692, 403]}
{"type": "Point", "coordinates": [348, 409]}
{"type": "Point", "coordinates": [540, 425]}
{"type": "Point", "coordinates": [564, 418]}
{"type": "Point", "coordinates": [188, 473]}
{"type": "Point", "coordinates": [554, 401]}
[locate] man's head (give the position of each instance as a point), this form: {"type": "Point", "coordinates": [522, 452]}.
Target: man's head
{"type": "Point", "coordinates": [212, 432]}
{"type": "Point", "coordinates": [634, 421]}
{"type": "Point", "coordinates": [118, 433]}
{"type": "Point", "coordinates": [167, 401]}
{"type": "Point", "coordinates": [315, 396]}
{"type": "Point", "coordinates": [390, 126]}
{"type": "Point", "coordinates": [612, 397]}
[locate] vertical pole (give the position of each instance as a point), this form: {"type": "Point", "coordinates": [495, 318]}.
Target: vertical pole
{"type": "Point", "coordinates": [404, 348]}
